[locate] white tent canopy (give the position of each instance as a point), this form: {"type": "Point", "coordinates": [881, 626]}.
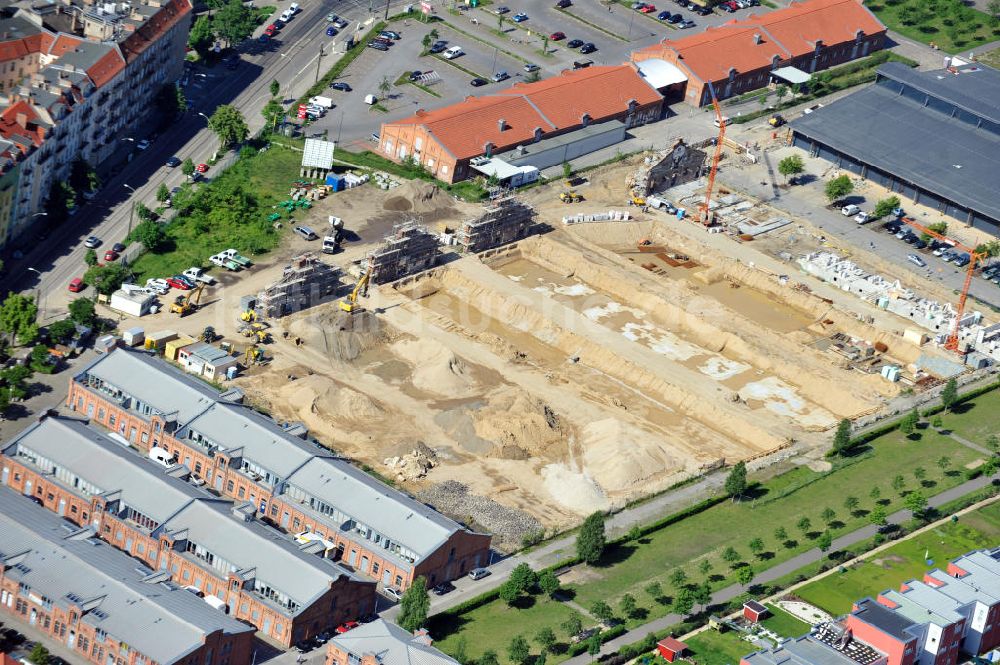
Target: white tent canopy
{"type": "Point", "coordinates": [660, 73]}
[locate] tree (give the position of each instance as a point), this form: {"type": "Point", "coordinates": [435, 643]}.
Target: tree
{"type": "Point", "coordinates": [275, 88]}
{"type": "Point", "coordinates": [545, 43]}
{"type": "Point", "coordinates": [17, 318]}
{"type": "Point", "coordinates": [654, 590]}
{"type": "Point", "coordinates": [828, 514]}
{"type": "Point", "coordinates": [756, 546]}
{"type": "Point", "coordinates": [602, 611]}
{"type": "Point", "coordinates": [90, 258]}
{"type": "Point", "coordinates": [187, 167]}
{"type": "Point", "coordinates": [384, 85]}
{"type": "Point", "coordinates": [41, 360]}
{"type": "Point", "coordinates": [60, 201]}
{"type": "Point", "coordinates": [635, 533]}
{"type": "Point", "coordinates": [781, 91]}
{"type": "Point", "coordinates": [908, 423]}
{"type": "Point", "coordinates": [627, 605]}
{"type": "Point", "coordinates": [414, 606]}
{"type": "Point", "coordinates": [509, 592]}
{"type": "Point", "coordinates": [949, 395]}
{"type": "Point", "coordinates": [573, 625]}
{"type": "Point", "coordinates": [523, 578]}
{"type": "Point", "coordinates": [162, 192]}
{"type": "Point", "coordinates": [518, 650]}
{"type": "Point", "coordinates": [736, 481]}
{"type": "Point", "coordinates": [898, 484]}
{"type": "Point", "coordinates": [489, 657]}
{"type": "Point", "coordinates": [678, 578]}
{"type": "Point", "coordinates": [82, 312]}
{"type": "Point", "coordinates": [851, 503]}
{"type": "Point", "coordinates": [426, 42]}
{"type": "Point", "coordinates": [875, 494]}
{"type": "Point", "coordinates": [548, 583]}
{"type": "Point", "coordinates": [143, 212]}
{"type": "Point", "coordinates": [272, 112]}
{"type": "Point", "coordinates": [533, 77]}
{"type": "Point", "coordinates": [885, 207]}
{"type": "Point", "coordinates": [684, 602]}
{"type": "Point", "coordinates": [201, 36]}
{"type": "Point", "coordinates": [744, 575]}
{"type": "Point", "coordinates": [590, 541]}
{"type": "Point", "coordinates": [228, 124]}
{"type": "Point", "coordinates": [825, 541]}
{"type": "Point", "coordinates": [594, 644]}
{"type": "Point", "coordinates": [500, 20]}
{"type": "Point", "coordinates": [919, 473]}
{"type": "Point", "coordinates": [916, 502]}
{"type": "Point", "coordinates": [730, 555]}
{"type": "Point", "coordinates": [878, 517]}
{"type": "Point", "coordinates": [780, 534]}
{"type": "Point", "coordinates": [705, 567]}
{"type": "Point", "coordinates": [180, 101]}
{"type": "Point", "coordinates": [235, 21]}
{"type": "Point", "coordinates": [545, 638]}
{"type": "Point", "coordinates": [804, 524]}
{"type": "Point", "coordinates": [993, 441]}
{"type": "Point", "coordinates": [61, 331]}
{"type": "Point", "coordinates": [791, 166]}
{"type": "Point", "coordinates": [838, 188]}
{"type": "Point", "coordinates": [150, 234]}
{"type": "Point", "coordinates": [944, 462]}
{"type": "Point", "coordinates": [993, 8]}
{"type": "Point", "coordinates": [842, 438]}
{"type": "Point", "coordinates": [39, 654]}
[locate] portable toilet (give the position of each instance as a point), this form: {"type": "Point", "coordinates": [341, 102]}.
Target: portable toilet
{"type": "Point", "coordinates": [336, 182]}
{"type": "Point", "coordinates": [231, 372]}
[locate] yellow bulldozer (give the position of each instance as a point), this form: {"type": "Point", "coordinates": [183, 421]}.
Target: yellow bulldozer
{"type": "Point", "coordinates": [350, 303]}
{"type": "Point", "coordinates": [570, 197]}
{"type": "Point", "coordinates": [187, 303]}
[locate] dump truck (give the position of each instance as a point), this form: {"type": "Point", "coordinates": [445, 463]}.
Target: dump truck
{"type": "Point", "coordinates": [224, 262]}
{"type": "Point", "coordinates": [236, 256]}
{"type": "Point", "coordinates": [570, 197]}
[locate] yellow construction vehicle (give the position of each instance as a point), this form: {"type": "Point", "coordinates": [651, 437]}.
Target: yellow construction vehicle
{"type": "Point", "coordinates": [570, 197]}
{"type": "Point", "coordinates": [187, 303]}
{"type": "Point", "coordinates": [248, 315]}
{"type": "Point", "coordinates": [253, 355]}
{"type": "Point", "coordinates": [636, 200]}
{"type": "Point", "coordinates": [350, 303]}
{"type": "Point", "coordinates": [776, 120]}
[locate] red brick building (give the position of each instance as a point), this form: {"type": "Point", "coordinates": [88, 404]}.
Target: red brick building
{"type": "Point", "coordinates": [740, 56]}
{"type": "Point", "coordinates": [374, 529]}
{"type": "Point", "coordinates": [208, 545]}
{"type": "Point", "coordinates": [445, 140]}
{"type": "Point", "coordinates": [384, 643]}
{"type": "Point", "coordinates": [98, 604]}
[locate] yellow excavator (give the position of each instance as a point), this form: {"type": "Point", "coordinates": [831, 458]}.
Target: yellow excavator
{"type": "Point", "coordinates": [187, 303]}
{"type": "Point", "coordinates": [253, 355]}
{"type": "Point", "coordinates": [248, 315]}
{"type": "Point", "coordinates": [350, 303]}
{"type": "Point", "coordinates": [570, 197]}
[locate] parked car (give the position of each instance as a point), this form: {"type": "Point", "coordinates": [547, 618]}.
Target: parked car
{"type": "Point", "coordinates": [502, 9]}
{"type": "Point", "coordinates": [478, 82]}
{"type": "Point", "coordinates": [920, 244]}
{"type": "Point", "coordinates": [685, 24]}
{"type": "Point", "coordinates": [453, 52]}
{"type": "Point", "coordinates": [92, 242]}
{"type": "Point", "coordinates": [648, 9]}
{"type": "Point", "coordinates": [160, 286]}
{"type": "Point", "coordinates": [111, 255]}
{"type": "Point", "coordinates": [850, 210]}
{"type": "Point", "coordinates": [390, 34]}
{"type": "Point", "coordinates": [563, 4]}
{"type": "Point", "coordinates": [675, 18]}
{"type": "Point", "coordinates": [175, 283]}
{"type": "Point", "coordinates": [862, 218]}
{"type": "Point", "coordinates": [502, 75]}
{"type": "Point", "coordinates": [478, 573]}
{"type": "Point", "coordinates": [556, 36]}
{"type": "Point", "coordinates": [76, 285]}
{"type": "Point", "coordinates": [331, 17]}
{"type": "Point", "coordinates": [262, 39]}
{"type": "Point", "coordinates": [962, 260]}
{"type": "Point", "coordinates": [340, 85]}
{"type": "Point", "coordinates": [588, 48]}
{"type": "Point", "coordinates": [437, 47]}
{"type": "Point", "coordinates": [378, 46]}
{"type": "Point", "coordinates": [574, 43]}
{"type": "Point", "coordinates": [341, 23]}
{"type": "Point", "coordinates": [331, 31]}
{"type": "Point", "coordinates": [415, 75]}
{"type": "Point", "coordinates": [346, 626]}
{"type": "Point", "coordinates": [201, 168]}
{"type": "Point", "coordinates": [443, 588]}
{"type": "Point", "coordinates": [306, 232]}
{"type": "Point", "coordinates": [174, 162]}
{"type": "Point", "coordinates": [531, 67]}
{"type": "Point", "coordinates": [142, 145]}
{"type": "Point", "coordinates": [393, 592]}
{"type": "Point", "coordinates": [118, 247]}
{"type": "Point", "coordinates": [519, 17]}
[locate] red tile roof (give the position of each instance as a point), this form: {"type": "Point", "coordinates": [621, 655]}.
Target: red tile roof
{"type": "Point", "coordinates": [29, 131]}
{"type": "Point", "coordinates": [752, 42]}
{"type": "Point", "coordinates": [63, 43]}
{"type": "Point", "coordinates": [154, 28]}
{"type": "Point", "coordinates": [7, 660]}
{"type": "Point", "coordinates": [552, 104]}
{"type": "Point", "coordinates": [18, 48]}
{"type": "Point", "coordinates": [105, 69]}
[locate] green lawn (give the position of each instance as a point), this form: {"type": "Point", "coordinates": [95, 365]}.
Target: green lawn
{"type": "Point", "coordinates": [947, 23]}
{"type": "Point", "coordinates": [713, 648]}
{"type": "Point", "coordinates": [784, 624]}
{"type": "Point", "coordinates": [975, 419]}
{"type": "Point", "coordinates": [904, 561]}
{"type": "Point", "coordinates": [991, 58]}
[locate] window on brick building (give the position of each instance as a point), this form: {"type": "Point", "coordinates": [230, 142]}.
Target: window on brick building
{"type": "Point", "coordinates": [229, 487]}
{"type": "Point", "coordinates": [111, 421]}
{"type": "Point", "coordinates": [100, 413]}
{"type": "Point", "coordinates": [242, 493]}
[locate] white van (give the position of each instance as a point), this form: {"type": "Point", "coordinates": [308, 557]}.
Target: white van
{"type": "Point", "coordinates": [161, 456]}
{"type": "Point", "coordinates": [294, 8]}
{"type": "Point", "coordinates": [850, 210]}
{"type": "Point", "coordinates": [287, 15]}
{"type": "Point", "coordinates": [724, 121]}
{"type": "Point", "coordinates": [453, 52]}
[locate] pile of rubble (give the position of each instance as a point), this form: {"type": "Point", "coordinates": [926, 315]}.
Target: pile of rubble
{"type": "Point", "coordinates": [413, 465]}
{"type": "Point", "coordinates": [508, 525]}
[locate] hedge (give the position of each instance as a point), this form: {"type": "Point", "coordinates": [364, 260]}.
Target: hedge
{"type": "Point", "coordinates": [964, 397]}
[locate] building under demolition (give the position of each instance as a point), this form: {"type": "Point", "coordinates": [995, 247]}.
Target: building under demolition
{"type": "Point", "coordinates": [505, 219]}
{"type": "Point", "coordinates": [409, 249]}
{"type": "Point", "coordinates": [306, 282]}
{"type": "Point", "coordinates": [668, 168]}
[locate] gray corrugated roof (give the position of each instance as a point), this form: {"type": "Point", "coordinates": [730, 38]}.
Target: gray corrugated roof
{"type": "Point", "coordinates": [108, 465]}
{"type": "Point", "coordinates": [975, 88]}
{"type": "Point", "coordinates": [391, 645]}
{"type": "Point", "coordinates": [251, 545]}
{"type": "Point", "coordinates": [392, 513]}
{"type": "Point", "coordinates": [164, 624]}
{"type": "Point", "coordinates": [799, 651]}
{"type": "Point", "coordinates": [940, 154]}
{"type": "Point", "coordinates": [154, 382]}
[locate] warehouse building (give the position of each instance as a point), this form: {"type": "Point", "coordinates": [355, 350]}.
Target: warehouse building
{"type": "Point", "coordinates": [782, 46]}
{"type": "Point", "coordinates": [384, 643]}
{"type": "Point", "coordinates": [102, 604]}
{"type": "Point", "coordinates": [151, 511]}
{"type": "Point", "coordinates": [932, 137]}
{"type": "Point", "coordinates": [294, 484]}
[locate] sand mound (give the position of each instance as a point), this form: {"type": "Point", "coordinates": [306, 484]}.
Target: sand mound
{"type": "Point", "coordinates": [619, 456]}
{"type": "Point", "coordinates": [436, 368]}
{"type": "Point", "coordinates": [317, 395]}
{"type": "Point", "coordinates": [574, 490]}
{"type": "Point", "coordinates": [416, 196]}
{"type": "Point", "coordinates": [342, 336]}
{"type": "Point", "coordinates": [519, 425]}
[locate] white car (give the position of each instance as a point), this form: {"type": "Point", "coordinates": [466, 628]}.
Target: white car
{"type": "Point", "coordinates": [453, 52]}
{"type": "Point", "coordinates": [916, 260]}
{"type": "Point", "coordinates": [159, 286]}
{"type": "Point", "coordinates": [862, 218]}
{"type": "Point", "coordinates": [850, 210]}
{"type": "Point", "coordinates": [142, 145]}
{"type": "Point", "coordinates": [393, 592]}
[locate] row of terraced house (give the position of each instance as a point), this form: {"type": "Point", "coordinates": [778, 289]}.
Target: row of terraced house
{"type": "Point", "coordinates": [266, 526]}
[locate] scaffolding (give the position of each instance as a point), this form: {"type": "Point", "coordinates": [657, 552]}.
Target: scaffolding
{"type": "Point", "coordinates": [305, 282]}
{"type": "Point", "coordinates": [409, 249]}
{"type": "Point", "coordinates": [505, 219]}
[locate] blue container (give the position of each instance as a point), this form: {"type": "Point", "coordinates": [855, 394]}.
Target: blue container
{"type": "Point", "coordinates": [335, 181]}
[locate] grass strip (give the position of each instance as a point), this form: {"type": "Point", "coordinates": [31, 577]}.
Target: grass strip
{"type": "Point", "coordinates": [460, 67]}
{"type": "Point", "coordinates": [345, 60]}
{"type": "Point", "coordinates": [483, 41]}
{"type": "Point", "coordinates": [592, 25]}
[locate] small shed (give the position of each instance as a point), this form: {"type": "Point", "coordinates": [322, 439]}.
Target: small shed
{"type": "Point", "coordinates": [172, 347]}
{"type": "Point", "coordinates": [158, 340]}
{"type": "Point", "coordinates": [205, 360]}
{"type": "Point", "coordinates": [133, 304]}
{"type": "Point", "coordinates": [133, 336]}
{"type": "Point", "coordinates": [754, 611]}
{"type": "Point", "coordinates": [671, 649]}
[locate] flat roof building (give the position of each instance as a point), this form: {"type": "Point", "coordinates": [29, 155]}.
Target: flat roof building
{"type": "Point", "coordinates": [930, 136]}
{"type": "Point", "coordinates": [383, 643]}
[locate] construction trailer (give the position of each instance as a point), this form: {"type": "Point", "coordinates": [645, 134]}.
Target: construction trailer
{"type": "Point", "coordinates": [505, 219]}
{"type": "Point", "coordinates": [304, 283]}
{"type": "Point", "coordinates": [409, 249]}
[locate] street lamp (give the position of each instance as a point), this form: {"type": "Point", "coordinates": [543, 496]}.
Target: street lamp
{"type": "Point", "coordinates": [38, 290]}
{"type": "Point", "coordinates": [131, 212]}
{"type": "Point", "coordinates": [204, 116]}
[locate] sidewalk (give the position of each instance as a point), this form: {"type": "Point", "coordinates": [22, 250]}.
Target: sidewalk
{"type": "Point", "coordinates": [786, 567]}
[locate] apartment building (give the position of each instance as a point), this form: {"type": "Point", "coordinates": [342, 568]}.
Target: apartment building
{"type": "Point", "coordinates": [384, 643]}
{"type": "Point", "coordinates": [295, 485]}
{"type": "Point", "coordinates": [102, 604]}
{"type": "Point", "coordinates": [75, 79]}
{"type": "Point", "coordinates": [209, 545]}
{"type": "Point", "coordinates": [744, 54]}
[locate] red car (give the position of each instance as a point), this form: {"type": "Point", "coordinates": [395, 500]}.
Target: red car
{"type": "Point", "coordinates": [178, 284]}
{"type": "Point", "coordinates": [346, 626]}
{"type": "Point", "coordinates": [556, 36]}
{"type": "Point", "coordinates": [110, 255]}
{"type": "Point", "coordinates": [271, 29]}
{"type": "Point", "coordinates": [76, 285]}
{"type": "Point", "coordinates": [648, 9]}
{"type": "Point", "coordinates": [201, 168]}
